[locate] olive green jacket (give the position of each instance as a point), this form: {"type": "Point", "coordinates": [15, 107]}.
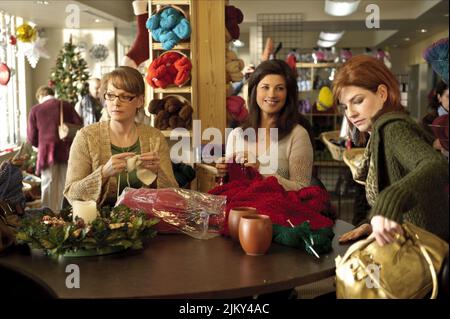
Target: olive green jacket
{"type": "Point", "coordinates": [412, 176]}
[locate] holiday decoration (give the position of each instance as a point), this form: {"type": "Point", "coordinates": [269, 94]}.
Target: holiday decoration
{"type": "Point", "coordinates": [12, 40]}
{"type": "Point", "coordinates": [70, 71]}
{"type": "Point", "coordinates": [5, 74]}
{"type": "Point", "coordinates": [26, 33]}
{"type": "Point", "coordinates": [99, 52]}
{"type": "Point", "coordinates": [114, 230]}
{"type": "Point", "coordinates": [34, 51]}
{"type": "Point", "coordinates": [139, 50]}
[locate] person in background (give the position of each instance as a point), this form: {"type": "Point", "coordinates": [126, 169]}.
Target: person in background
{"type": "Point", "coordinates": [273, 103]}
{"type": "Point", "coordinates": [53, 153]}
{"type": "Point", "coordinates": [439, 106]}
{"type": "Point", "coordinates": [399, 162]}
{"type": "Point", "coordinates": [89, 107]}
{"type": "Point", "coordinates": [98, 157]}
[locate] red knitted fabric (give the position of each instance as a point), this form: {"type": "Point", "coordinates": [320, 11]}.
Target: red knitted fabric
{"type": "Point", "coordinates": [139, 51]}
{"type": "Point", "coordinates": [270, 198]}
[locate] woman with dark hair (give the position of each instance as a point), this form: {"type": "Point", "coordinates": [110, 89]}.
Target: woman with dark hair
{"type": "Point", "coordinates": [399, 162]}
{"type": "Point", "coordinates": [98, 157]}
{"type": "Point", "coordinates": [271, 140]}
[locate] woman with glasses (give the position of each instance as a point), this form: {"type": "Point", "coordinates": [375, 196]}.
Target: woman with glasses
{"type": "Point", "coordinates": [404, 177]}
{"type": "Point", "coordinates": [103, 159]}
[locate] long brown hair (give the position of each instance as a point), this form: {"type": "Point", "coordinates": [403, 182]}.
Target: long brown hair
{"type": "Point", "coordinates": [368, 73]}
{"type": "Point", "coordinates": [288, 115]}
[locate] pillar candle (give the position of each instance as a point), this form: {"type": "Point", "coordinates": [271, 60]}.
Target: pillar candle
{"type": "Point", "coordinates": [86, 210]}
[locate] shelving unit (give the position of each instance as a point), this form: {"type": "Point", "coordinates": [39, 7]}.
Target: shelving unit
{"type": "Point", "coordinates": [206, 90]}
{"type": "Point", "coordinates": [187, 47]}
{"type": "Point", "coordinates": [329, 120]}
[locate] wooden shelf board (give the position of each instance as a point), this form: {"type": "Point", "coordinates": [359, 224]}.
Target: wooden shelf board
{"type": "Point", "coordinates": [175, 89]}
{"type": "Point", "coordinates": [180, 46]}
{"type": "Point", "coordinates": [171, 2]}
{"type": "Point", "coordinates": [331, 163]}
{"type": "Point", "coordinates": [317, 65]}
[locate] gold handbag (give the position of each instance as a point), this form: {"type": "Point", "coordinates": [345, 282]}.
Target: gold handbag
{"type": "Point", "coordinates": [405, 269]}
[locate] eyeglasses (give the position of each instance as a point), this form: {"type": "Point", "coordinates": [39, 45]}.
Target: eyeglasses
{"type": "Point", "coordinates": [122, 98]}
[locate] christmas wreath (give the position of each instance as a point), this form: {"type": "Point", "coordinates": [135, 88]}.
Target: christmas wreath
{"type": "Point", "coordinates": [117, 229]}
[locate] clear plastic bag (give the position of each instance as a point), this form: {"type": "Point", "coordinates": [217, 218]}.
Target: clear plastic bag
{"type": "Point", "coordinates": [196, 214]}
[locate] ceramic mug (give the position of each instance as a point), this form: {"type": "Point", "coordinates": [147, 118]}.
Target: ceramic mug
{"type": "Point", "coordinates": [234, 217]}
{"type": "Point", "coordinates": [255, 234]}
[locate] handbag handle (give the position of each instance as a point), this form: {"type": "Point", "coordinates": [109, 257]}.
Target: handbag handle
{"type": "Point", "coordinates": [61, 113]}
{"type": "Point", "coordinates": [365, 242]}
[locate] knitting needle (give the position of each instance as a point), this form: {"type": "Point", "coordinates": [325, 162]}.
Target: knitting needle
{"type": "Point", "coordinates": [310, 247]}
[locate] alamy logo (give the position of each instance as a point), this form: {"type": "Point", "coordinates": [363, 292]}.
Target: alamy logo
{"type": "Point", "coordinates": [373, 19]}
{"type": "Point", "coordinates": [73, 280]}
{"type": "Point", "coordinates": [73, 17]}
{"type": "Point", "coordinates": [373, 278]}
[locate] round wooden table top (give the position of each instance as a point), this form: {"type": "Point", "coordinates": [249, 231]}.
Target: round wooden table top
{"type": "Point", "coordinates": [178, 266]}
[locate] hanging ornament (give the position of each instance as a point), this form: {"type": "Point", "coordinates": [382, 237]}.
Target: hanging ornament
{"type": "Point", "coordinates": [5, 74]}
{"type": "Point", "coordinates": [34, 51]}
{"type": "Point", "coordinates": [12, 40]}
{"type": "Point", "coordinates": [26, 33]}
{"type": "Point", "coordinates": [99, 52]}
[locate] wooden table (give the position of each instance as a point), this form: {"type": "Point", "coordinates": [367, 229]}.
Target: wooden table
{"type": "Point", "coordinates": [177, 266]}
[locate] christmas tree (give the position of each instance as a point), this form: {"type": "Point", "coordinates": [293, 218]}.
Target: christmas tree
{"type": "Point", "coordinates": [70, 74]}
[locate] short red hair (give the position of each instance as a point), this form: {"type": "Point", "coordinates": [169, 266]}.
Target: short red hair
{"type": "Point", "coordinates": [368, 73]}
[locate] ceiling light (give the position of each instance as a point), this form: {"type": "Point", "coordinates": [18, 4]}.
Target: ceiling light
{"type": "Point", "coordinates": [423, 30]}
{"type": "Point", "coordinates": [331, 36]}
{"type": "Point", "coordinates": [341, 8]}
{"type": "Point", "coordinates": [325, 44]}
{"type": "Point", "coordinates": [407, 39]}
{"type": "Point", "coordinates": [97, 20]}
{"type": "Point", "coordinates": [238, 43]}
{"type": "Point", "coordinates": [44, 3]}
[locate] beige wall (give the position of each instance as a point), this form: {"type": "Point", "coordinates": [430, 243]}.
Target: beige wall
{"type": "Point", "coordinates": [55, 41]}
{"type": "Point", "coordinates": [402, 59]}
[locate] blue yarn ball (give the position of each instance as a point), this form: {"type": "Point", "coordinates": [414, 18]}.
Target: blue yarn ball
{"type": "Point", "coordinates": [168, 40]}
{"type": "Point", "coordinates": [156, 34]}
{"type": "Point", "coordinates": [183, 29]}
{"type": "Point", "coordinates": [169, 22]}
{"type": "Point", "coordinates": [153, 22]}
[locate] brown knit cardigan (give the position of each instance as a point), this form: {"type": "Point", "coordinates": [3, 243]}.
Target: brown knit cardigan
{"type": "Point", "coordinates": [91, 149]}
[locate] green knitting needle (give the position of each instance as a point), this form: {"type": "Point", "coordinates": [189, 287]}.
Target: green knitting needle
{"type": "Point", "coordinates": [306, 242]}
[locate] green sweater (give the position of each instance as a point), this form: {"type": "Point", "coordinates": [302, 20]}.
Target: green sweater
{"type": "Point", "coordinates": [412, 176]}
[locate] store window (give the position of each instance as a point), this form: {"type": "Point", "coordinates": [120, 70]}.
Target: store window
{"type": "Point", "coordinates": [12, 104]}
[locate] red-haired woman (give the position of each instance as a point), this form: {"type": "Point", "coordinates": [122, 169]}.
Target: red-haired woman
{"type": "Point", "coordinates": [405, 178]}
